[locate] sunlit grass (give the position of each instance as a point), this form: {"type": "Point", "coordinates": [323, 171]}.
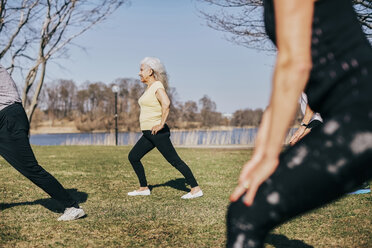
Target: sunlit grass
{"type": "Point", "coordinates": [100, 177]}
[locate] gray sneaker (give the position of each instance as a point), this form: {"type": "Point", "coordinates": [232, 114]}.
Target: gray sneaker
{"type": "Point", "coordinates": [72, 214]}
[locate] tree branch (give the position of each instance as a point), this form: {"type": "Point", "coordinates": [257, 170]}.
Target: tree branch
{"type": "Point", "coordinates": [242, 19]}
{"type": "Point", "coordinates": [23, 19]}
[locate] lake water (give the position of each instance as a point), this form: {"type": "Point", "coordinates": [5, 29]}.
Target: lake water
{"type": "Point", "coordinates": [235, 136]}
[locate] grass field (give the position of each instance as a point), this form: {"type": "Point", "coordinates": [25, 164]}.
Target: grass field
{"type": "Point", "coordinates": [100, 177]}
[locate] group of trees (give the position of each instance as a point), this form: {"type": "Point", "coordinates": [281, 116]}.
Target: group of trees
{"type": "Point", "coordinates": [246, 117]}
{"type": "Point", "coordinates": [33, 32]}
{"type": "Point", "coordinates": [91, 106]}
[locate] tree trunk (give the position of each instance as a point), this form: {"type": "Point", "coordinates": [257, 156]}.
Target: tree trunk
{"type": "Point", "coordinates": [31, 109]}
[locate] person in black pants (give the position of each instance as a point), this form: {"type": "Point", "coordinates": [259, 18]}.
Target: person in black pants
{"type": "Point", "coordinates": [327, 52]}
{"type": "Point", "coordinates": [15, 148]}
{"type": "Point", "coordinates": [154, 105]}
{"type": "Point", "coordinates": [312, 120]}
{"type": "Point", "coordinates": [309, 121]}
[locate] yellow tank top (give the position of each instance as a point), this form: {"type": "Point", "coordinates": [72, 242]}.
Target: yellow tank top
{"type": "Point", "coordinates": [150, 107]}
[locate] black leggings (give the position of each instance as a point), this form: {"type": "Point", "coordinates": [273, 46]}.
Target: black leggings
{"type": "Point", "coordinates": [163, 143]}
{"type": "Point", "coordinates": [329, 162]}
{"type": "Point", "coordinates": [16, 149]}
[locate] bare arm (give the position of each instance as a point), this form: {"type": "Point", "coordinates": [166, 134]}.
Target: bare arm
{"type": "Point", "coordinates": [302, 131]}
{"type": "Point", "coordinates": [308, 115]}
{"type": "Point", "coordinates": [292, 69]}
{"type": "Point", "coordinates": [163, 98]}
{"type": "Point", "coordinates": [293, 26]}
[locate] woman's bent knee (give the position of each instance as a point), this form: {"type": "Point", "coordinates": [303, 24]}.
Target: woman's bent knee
{"type": "Point", "coordinates": [133, 157]}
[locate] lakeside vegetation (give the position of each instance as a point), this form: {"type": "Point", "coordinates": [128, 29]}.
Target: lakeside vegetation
{"type": "Point", "coordinates": [90, 107]}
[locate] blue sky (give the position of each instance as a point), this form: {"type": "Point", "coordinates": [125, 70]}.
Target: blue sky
{"type": "Point", "coordinates": [198, 59]}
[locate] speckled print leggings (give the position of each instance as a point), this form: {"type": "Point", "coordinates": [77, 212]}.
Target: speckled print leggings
{"type": "Point", "coordinates": [329, 162]}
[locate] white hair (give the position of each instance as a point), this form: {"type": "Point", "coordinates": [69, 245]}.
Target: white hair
{"type": "Point", "coordinates": [160, 73]}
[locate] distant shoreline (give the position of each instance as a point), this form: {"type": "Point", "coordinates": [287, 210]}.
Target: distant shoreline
{"type": "Point", "coordinates": [69, 127]}
{"type": "Point", "coordinates": [66, 127]}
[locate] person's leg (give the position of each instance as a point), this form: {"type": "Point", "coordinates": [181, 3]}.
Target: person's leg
{"type": "Point", "coordinates": [318, 169]}
{"type": "Point", "coordinates": [16, 149]}
{"type": "Point", "coordinates": [140, 149]}
{"type": "Point", "coordinates": [163, 143]}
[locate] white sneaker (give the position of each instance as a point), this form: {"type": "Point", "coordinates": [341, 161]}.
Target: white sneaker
{"type": "Point", "coordinates": [142, 192]}
{"type": "Point", "coordinates": [191, 196]}
{"type": "Point", "coordinates": [72, 214]}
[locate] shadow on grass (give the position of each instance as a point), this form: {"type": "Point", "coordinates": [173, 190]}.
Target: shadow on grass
{"type": "Point", "coordinates": [281, 241]}
{"type": "Point", "coordinates": [49, 203]}
{"type": "Point", "coordinates": [179, 184]}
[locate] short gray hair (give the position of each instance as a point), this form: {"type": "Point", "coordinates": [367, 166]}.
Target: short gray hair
{"type": "Point", "coordinates": [157, 66]}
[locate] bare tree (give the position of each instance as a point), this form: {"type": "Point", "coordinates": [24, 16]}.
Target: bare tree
{"type": "Point", "coordinates": [190, 111]}
{"type": "Point", "coordinates": [209, 116]}
{"type": "Point", "coordinates": [67, 90]}
{"type": "Point", "coordinates": [247, 117]}
{"type": "Point", "coordinates": [175, 111]}
{"type": "Point", "coordinates": [52, 100]}
{"type": "Point", "coordinates": [364, 12]}
{"type": "Point", "coordinates": [34, 31]}
{"type": "Point", "coordinates": [243, 20]}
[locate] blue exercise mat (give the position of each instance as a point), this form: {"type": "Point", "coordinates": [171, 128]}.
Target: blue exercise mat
{"type": "Point", "coordinates": [360, 191]}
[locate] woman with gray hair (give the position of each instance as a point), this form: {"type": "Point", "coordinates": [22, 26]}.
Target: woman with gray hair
{"type": "Point", "coordinates": [155, 104]}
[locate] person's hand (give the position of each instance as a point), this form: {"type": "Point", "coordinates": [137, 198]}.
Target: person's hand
{"type": "Point", "coordinates": [253, 174]}
{"type": "Point", "coordinates": [299, 134]}
{"type": "Point", "coordinates": [155, 129]}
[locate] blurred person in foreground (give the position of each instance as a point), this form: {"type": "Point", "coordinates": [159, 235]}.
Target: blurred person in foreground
{"type": "Point", "coordinates": [326, 54]}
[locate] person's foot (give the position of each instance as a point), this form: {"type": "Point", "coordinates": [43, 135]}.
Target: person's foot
{"type": "Point", "coordinates": [72, 214]}
{"type": "Point", "coordinates": [192, 196]}
{"type": "Point", "coordinates": [140, 192]}
{"type": "Point", "coordinates": [195, 190]}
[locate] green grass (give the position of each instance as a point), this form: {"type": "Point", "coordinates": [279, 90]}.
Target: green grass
{"type": "Point", "coordinates": [100, 177]}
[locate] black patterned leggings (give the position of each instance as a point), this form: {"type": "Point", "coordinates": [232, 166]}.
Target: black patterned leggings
{"type": "Point", "coordinates": [329, 162]}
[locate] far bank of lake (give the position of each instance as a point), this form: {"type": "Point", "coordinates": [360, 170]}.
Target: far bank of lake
{"type": "Point", "coordinates": [234, 136]}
